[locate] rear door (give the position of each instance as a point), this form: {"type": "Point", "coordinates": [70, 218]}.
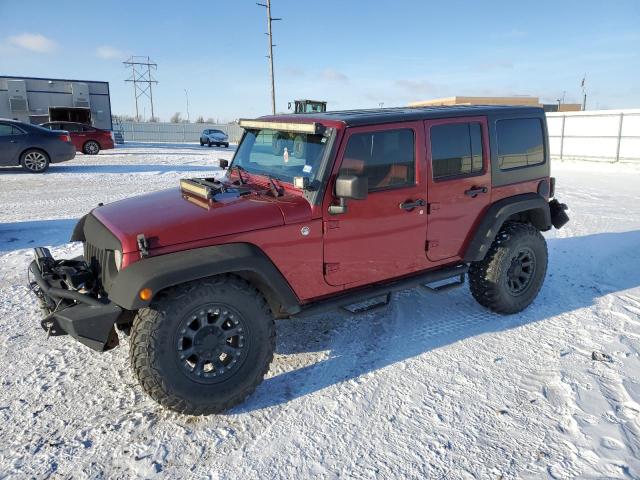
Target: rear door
{"type": "Point", "coordinates": [379, 237]}
{"type": "Point", "coordinates": [10, 144]}
{"type": "Point", "coordinates": [78, 136]}
{"type": "Point", "coordinates": [459, 182]}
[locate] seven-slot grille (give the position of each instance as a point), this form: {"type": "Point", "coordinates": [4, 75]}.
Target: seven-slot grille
{"type": "Point", "coordinates": [99, 260]}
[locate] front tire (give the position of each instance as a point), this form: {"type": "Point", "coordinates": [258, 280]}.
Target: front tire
{"type": "Point", "coordinates": [34, 161]}
{"type": "Point", "coordinates": [203, 347]}
{"type": "Point", "coordinates": [511, 275]}
{"type": "Point", "coordinates": [91, 148]}
{"type": "Point", "coordinates": [201, 143]}
{"type": "Point", "coordinates": [208, 143]}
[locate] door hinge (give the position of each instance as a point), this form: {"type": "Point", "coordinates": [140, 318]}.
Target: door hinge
{"type": "Point", "coordinates": [432, 207]}
{"type": "Point", "coordinates": [331, 267]}
{"type": "Point", "coordinates": [430, 244]}
{"type": "Point", "coordinates": [330, 225]}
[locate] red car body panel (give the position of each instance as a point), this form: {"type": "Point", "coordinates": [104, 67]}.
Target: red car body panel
{"type": "Point", "coordinates": [83, 134]}
{"type": "Point", "coordinates": [363, 246]}
{"type": "Point", "coordinates": [103, 137]}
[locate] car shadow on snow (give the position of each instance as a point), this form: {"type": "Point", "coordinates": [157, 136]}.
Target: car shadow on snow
{"type": "Point", "coordinates": [14, 236]}
{"type": "Point", "coordinates": [581, 269]}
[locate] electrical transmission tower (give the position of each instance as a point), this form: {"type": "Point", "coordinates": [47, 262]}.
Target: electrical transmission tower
{"type": "Point", "coordinates": [142, 79]}
{"type": "Point", "coordinates": [270, 56]}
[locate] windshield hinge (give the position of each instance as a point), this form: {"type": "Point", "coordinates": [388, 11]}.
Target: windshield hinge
{"type": "Point", "coordinates": [143, 245]}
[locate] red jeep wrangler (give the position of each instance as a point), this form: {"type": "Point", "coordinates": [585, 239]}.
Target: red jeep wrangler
{"type": "Point", "coordinates": [315, 212]}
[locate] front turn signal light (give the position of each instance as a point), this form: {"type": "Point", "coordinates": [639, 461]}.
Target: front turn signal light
{"type": "Point", "coordinates": [145, 294]}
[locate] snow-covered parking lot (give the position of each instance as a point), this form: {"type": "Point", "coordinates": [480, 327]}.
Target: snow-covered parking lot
{"type": "Point", "coordinates": [433, 386]}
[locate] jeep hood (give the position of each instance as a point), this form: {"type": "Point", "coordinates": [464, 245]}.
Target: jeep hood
{"type": "Point", "coordinates": [168, 217]}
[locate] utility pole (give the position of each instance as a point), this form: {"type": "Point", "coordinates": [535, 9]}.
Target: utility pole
{"type": "Point", "coordinates": [187, 96]}
{"type": "Point", "coordinates": [584, 92]}
{"type": "Point", "coordinates": [270, 56]}
{"type": "Point", "coordinates": [142, 79]}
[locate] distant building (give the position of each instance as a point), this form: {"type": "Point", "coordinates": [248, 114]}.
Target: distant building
{"type": "Point", "coordinates": [35, 100]}
{"type": "Point", "coordinates": [517, 100]}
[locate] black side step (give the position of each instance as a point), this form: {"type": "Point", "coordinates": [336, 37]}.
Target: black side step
{"type": "Point", "coordinates": [368, 293]}
{"type": "Point", "coordinates": [446, 286]}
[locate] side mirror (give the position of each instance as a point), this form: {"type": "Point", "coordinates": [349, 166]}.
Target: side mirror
{"type": "Point", "coordinates": [349, 187]}
{"type": "Point", "coordinates": [223, 163]}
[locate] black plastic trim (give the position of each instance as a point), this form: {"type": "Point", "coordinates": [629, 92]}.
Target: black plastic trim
{"type": "Point", "coordinates": [367, 293]}
{"type": "Point", "coordinates": [498, 213]}
{"type": "Point", "coordinates": [162, 271]}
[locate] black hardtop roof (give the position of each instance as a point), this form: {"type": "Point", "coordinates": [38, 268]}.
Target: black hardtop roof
{"type": "Point", "coordinates": [404, 114]}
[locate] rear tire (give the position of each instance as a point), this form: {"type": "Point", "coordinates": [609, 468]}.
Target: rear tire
{"type": "Point", "coordinates": [91, 148]}
{"type": "Point", "coordinates": [34, 160]}
{"type": "Point", "coordinates": [226, 145]}
{"type": "Point", "coordinates": [511, 275]}
{"type": "Point", "coordinates": [203, 347]}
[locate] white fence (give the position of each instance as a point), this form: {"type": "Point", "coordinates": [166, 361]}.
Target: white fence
{"type": "Point", "coordinates": [600, 135]}
{"type": "Point", "coordinates": [172, 132]}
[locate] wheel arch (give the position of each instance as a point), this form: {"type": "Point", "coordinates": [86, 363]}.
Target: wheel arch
{"type": "Point", "coordinates": [242, 259]}
{"type": "Point", "coordinates": [40, 149]}
{"type": "Point", "coordinates": [91, 140]}
{"type": "Point", "coordinates": [529, 207]}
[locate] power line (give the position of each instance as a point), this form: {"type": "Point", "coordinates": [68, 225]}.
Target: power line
{"type": "Point", "coordinates": [142, 79]}
{"type": "Point", "coordinates": [270, 56]}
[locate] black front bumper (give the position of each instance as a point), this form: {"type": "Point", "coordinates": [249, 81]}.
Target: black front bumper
{"type": "Point", "coordinates": [89, 320]}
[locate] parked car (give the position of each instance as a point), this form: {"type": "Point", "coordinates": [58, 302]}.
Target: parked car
{"type": "Point", "coordinates": [215, 137]}
{"type": "Point", "coordinates": [359, 205]}
{"type": "Point", "coordinates": [86, 138]}
{"type": "Point", "coordinates": [32, 146]}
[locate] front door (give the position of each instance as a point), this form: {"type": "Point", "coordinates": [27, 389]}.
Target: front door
{"type": "Point", "coordinates": [382, 236]}
{"type": "Point", "coordinates": [459, 182]}
{"type": "Point", "coordinates": [10, 144]}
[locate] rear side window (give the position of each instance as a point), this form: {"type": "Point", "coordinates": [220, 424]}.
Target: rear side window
{"type": "Point", "coordinates": [386, 158]}
{"type": "Point", "coordinates": [456, 150]}
{"type": "Point", "coordinates": [7, 130]}
{"type": "Point", "coordinates": [520, 143]}
{"type": "Point", "coordinates": [71, 127]}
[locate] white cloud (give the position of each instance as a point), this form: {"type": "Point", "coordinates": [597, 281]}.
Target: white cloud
{"type": "Point", "coordinates": [34, 42]}
{"type": "Point", "coordinates": [334, 76]}
{"type": "Point", "coordinates": [108, 52]}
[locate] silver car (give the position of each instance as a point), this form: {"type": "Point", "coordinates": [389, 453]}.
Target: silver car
{"type": "Point", "coordinates": [215, 137]}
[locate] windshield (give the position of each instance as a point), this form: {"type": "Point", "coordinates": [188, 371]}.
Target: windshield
{"type": "Point", "coordinates": [283, 155]}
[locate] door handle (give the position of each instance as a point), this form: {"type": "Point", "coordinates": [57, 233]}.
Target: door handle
{"type": "Point", "coordinates": [411, 205]}
{"type": "Point", "coordinates": [474, 191]}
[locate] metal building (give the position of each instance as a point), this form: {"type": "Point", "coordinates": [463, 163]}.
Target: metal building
{"type": "Point", "coordinates": [37, 100]}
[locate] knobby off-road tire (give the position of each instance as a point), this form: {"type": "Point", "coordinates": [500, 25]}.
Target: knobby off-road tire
{"type": "Point", "coordinates": [511, 275]}
{"type": "Point", "coordinates": [203, 347]}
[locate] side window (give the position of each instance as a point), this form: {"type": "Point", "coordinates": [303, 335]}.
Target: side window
{"type": "Point", "coordinates": [520, 143]}
{"type": "Point", "coordinates": [456, 149]}
{"type": "Point", "coordinates": [16, 131]}
{"type": "Point", "coordinates": [386, 158]}
{"type": "Point", "coordinates": [5, 130]}
{"type": "Point", "coordinates": [71, 127]}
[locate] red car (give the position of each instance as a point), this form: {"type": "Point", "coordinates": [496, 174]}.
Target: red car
{"type": "Point", "coordinates": [86, 138]}
{"type": "Point", "coordinates": [316, 211]}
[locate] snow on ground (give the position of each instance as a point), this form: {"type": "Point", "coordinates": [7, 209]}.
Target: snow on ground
{"type": "Point", "coordinates": [432, 386]}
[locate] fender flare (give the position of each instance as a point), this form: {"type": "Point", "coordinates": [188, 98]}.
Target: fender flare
{"type": "Point", "coordinates": [163, 271]}
{"type": "Point", "coordinates": [498, 213]}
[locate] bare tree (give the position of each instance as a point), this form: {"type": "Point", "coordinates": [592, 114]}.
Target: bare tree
{"type": "Point", "coordinates": [176, 118]}
{"type": "Point", "coordinates": [154, 119]}
{"type": "Point", "coordinates": [200, 119]}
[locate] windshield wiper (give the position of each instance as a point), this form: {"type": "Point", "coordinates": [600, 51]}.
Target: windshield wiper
{"type": "Point", "coordinates": [239, 169]}
{"type": "Point", "coordinates": [276, 189]}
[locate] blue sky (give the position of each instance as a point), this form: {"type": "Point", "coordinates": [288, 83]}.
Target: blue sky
{"type": "Point", "coordinates": [354, 54]}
